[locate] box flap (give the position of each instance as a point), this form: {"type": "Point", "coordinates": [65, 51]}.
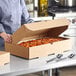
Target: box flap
{"type": "Point", "coordinates": [3, 52]}
{"type": "Point", "coordinates": [38, 29]}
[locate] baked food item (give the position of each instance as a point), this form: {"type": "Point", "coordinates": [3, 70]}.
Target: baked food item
{"type": "Point", "coordinates": [39, 42]}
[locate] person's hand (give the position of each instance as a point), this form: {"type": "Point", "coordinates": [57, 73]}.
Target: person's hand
{"type": "Point", "coordinates": [6, 37]}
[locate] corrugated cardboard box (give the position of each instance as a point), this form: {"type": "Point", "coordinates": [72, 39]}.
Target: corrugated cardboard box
{"type": "Point", "coordinates": [68, 71]}
{"type": "Point", "coordinates": [38, 30]}
{"type": "Point", "coordinates": [4, 58]}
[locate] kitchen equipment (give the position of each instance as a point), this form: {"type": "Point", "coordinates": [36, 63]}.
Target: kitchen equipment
{"type": "Point", "coordinates": [69, 3]}
{"type": "Point", "coordinates": [43, 5]}
{"type": "Point", "coordinates": [58, 56]}
{"type": "Point", "coordinates": [51, 14]}
{"type": "Point", "coordinates": [30, 7]}
{"type": "Point", "coordinates": [71, 33]}
{"type": "Point", "coordinates": [61, 6]}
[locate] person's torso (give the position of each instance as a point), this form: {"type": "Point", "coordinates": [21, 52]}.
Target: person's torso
{"type": "Point", "coordinates": [10, 14]}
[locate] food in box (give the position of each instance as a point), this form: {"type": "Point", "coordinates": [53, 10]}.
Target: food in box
{"type": "Point", "coordinates": [37, 42]}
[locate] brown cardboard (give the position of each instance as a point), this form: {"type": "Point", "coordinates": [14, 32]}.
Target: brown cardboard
{"type": "Point", "coordinates": [38, 30]}
{"type": "Point", "coordinates": [54, 27]}
{"type": "Point", "coordinates": [4, 58]}
{"type": "Point", "coordinates": [38, 51]}
{"type": "Point", "coordinates": [68, 71]}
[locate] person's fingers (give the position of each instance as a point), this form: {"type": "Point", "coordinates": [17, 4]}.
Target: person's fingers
{"type": "Point", "coordinates": [9, 38]}
{"type": "Point", "coordinates": [6, 39]}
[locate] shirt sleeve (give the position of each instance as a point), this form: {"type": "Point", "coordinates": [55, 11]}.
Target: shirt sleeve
{"type": "Point", "coordinates": [1, 28]}
{"type": "Point", "coordinates": [25, 18]}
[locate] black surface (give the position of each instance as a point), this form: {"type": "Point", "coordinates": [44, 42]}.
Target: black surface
{"type": "Point", "coordinates": [61, 9]}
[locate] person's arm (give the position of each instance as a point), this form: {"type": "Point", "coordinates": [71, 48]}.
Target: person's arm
{"type": "Point", "coordinates": [1, 28]}
{"type": "Point", "coordinates": [25, 15]}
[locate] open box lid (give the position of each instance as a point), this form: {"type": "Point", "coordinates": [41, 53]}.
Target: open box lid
{"type": "Point", "coordinates": [37, 29]}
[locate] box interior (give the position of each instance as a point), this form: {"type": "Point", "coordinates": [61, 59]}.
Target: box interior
{"type": "Point", "coordinates": [38, 30]}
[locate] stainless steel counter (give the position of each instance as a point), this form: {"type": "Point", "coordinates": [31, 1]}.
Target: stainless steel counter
{"type": "Point", "coordinates": [19, 66]}
{"type": "Point", "coordinates": [58, 15]}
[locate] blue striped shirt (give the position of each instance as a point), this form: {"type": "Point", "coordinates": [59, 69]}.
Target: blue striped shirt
{"type": "Point", "coordinates": [13, 13]}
